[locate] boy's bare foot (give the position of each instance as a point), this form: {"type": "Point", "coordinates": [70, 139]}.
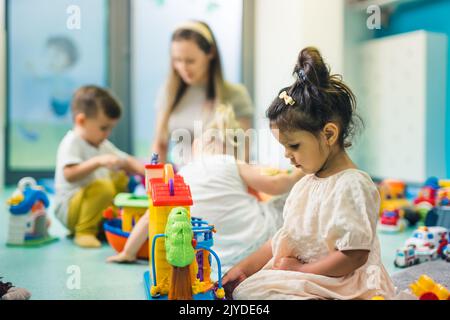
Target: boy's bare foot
{"type": "Point", "coordinates": [122, 257]}
{"type": "Point", "coordinates": [87, 241]}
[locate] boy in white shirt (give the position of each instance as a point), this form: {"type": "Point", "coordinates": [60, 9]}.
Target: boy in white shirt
{"type": "Point", "coordinates": [90, 170]}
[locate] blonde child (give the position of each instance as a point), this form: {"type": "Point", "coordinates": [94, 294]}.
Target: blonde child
{"type": "Point", "coordinates": [327, 247]}
{"type": "Point", "coordinates": [90, 170]}
{"type": "Point", "coordinates": [219, 186]}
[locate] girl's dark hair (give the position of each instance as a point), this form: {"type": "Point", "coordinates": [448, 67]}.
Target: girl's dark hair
{"type": "Point", "coordinates": [319, 98]}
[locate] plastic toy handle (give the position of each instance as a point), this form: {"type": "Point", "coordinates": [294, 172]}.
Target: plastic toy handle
{"type": "Point", "coordinates": [26, 182]}
{"type": "Point", "coordinates": [168, 173]}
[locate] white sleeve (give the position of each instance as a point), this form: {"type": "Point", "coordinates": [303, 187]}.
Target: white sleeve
{"type": "Point", "coordinates": [110, 148]}
{"type": "Point", "coordinates": [69, 153]}
{"type": "Point", "coordinates": [354, 212]}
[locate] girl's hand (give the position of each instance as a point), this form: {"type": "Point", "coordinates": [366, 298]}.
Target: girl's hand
{"type": "Point", "coordinates": [288, 264]}
{"type": "Point", "coordinates": [231, 280]}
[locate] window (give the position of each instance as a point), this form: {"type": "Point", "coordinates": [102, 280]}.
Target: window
{"type": "Point", "coordinates": [48, 58]}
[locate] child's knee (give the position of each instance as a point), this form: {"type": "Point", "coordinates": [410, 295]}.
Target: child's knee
{"type": "Point", "coordinates": [102, 189]}
{"type": "Point", "coordinates": [120, 180]}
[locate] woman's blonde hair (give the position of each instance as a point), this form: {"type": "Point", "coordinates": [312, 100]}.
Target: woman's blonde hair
{"type": "Point", "coordinates": [200, 33]}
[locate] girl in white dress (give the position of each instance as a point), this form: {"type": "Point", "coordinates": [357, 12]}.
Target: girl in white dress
{"type": "Point", "coordinates": [327, 247]}
{"type": "Point", "coordinates": [219, 185]}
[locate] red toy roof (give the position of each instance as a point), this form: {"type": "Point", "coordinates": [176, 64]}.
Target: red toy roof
{"type": "Point", "coordinates": [154, 166]}
{"type": "Point", "coordinates": [161, 194]}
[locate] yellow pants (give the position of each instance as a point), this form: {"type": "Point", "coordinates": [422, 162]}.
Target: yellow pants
{"type": "Point", "coordinates": [87, 205]}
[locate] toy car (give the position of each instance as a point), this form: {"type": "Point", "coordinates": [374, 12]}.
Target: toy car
{"type": "Point", "coordinates": [425, 254]}
{"type": "Point", "coordinates": [390, 221]}
{"type": "Point", "coordinates": [426, 244]}
{"type": "Point", "coordinates": [406, 257]}
{"type": "Point", "coordinates": [427, 237]}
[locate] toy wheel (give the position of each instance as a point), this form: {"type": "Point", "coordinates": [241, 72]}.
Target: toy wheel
{"type": "Point", "coordinates": [412, 217]}
{"type": "Point", "coordinates": [220, 293]}
{"type": "Point", "coordinates": [154, 292]}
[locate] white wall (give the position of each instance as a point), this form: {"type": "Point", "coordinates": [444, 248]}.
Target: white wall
{"type": "Point", "coordinates": [282, 29]}
{"type": "Point", "coordinates": [2, 92]}
{"type": "Point", "coordinates": [402, 96]}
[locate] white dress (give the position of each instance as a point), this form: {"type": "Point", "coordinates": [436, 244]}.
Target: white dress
{"type": "Point", "coordinates": [321, 215]}
{"type": "Point", "coordinates": [221, 197]}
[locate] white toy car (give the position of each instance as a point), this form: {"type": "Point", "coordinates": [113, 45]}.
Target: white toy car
{"type": "Point", "coordinates": [406, 257]}
{"type": "Point", "coordinates": [425, 254]}
{"type": "Point", "coordinates": [426, 237]}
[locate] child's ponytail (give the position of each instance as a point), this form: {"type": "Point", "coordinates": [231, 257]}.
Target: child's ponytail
{"type": "Point", "coordinates": [318, 98]}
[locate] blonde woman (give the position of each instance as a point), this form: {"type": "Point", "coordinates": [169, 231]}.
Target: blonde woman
{"type": "Point", "coordinates": [195, 86]}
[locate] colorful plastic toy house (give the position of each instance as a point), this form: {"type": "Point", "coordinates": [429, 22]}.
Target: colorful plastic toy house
{"type": "Point", "coordinates": [133, 208]}
{"type": "Point", "coordinates": [28, 222]}
{"type": "Point", "coordinates": [168, 195]}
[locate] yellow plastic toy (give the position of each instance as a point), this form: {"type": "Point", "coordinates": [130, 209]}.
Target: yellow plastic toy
{"type": "Point", "coordinates": [392, 193]}
{"type": "Point", "coordinates": [133, 208]}
{"type": "Point", "coordinates": [444, 183]}
{"type": "Point", "coordinates": [426, 288]}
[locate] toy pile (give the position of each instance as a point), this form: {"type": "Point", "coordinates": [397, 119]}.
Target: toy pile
{"type": "Point", "coordinates": [431, 207]}
{"type": "Point", "coordinates": [426, 244]}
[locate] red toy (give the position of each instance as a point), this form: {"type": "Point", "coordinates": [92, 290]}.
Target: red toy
{"type": "Point", "coordinates": [391, 221]}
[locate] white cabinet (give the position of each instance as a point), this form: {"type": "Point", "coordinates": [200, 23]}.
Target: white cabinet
{"type": "Point", "coordinates": [401, 96]}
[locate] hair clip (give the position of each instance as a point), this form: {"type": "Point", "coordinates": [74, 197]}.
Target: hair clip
{"type": "Point", "coordinates": [302, 74]}
{"type": "Point", "coordinates": [287, 98]}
